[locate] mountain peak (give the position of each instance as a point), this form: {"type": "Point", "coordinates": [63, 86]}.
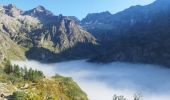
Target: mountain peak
{"type": "Point", "coordinates": [40, 8]}
{"type": "Point", "coordinates": [11, 10]}
{"type": "Point", "coordinates": [38, 11]}
{"type": "Point", "coordinates": [10, 6]}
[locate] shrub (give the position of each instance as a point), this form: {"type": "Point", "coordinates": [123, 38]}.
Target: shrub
{"type": "Point", "coordinates": [20, 96]}
{"type": "Point", "coordinates": [8, 67]}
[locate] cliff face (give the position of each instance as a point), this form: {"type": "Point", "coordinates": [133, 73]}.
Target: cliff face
{"type": "Point", "coordinates": [63, 34]}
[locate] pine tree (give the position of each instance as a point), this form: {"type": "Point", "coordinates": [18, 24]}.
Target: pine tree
{"type": "Point", "coordinates": [30, 74]}
{"type": "Point", "coordinates": [8, 67]}
{"type": "Point", "coordinates": [26, 73]}
{"type": "Point", "coordinates": [17, 71]}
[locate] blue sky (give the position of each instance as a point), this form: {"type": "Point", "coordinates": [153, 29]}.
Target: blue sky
{"type": "Point", "coordinates": [78, 8]}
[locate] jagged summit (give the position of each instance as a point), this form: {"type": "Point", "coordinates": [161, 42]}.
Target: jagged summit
{"type": "Point", "coordinates": [11, 10]}
{"type": "Point", "coordinates": [9, 6]}
{"type": "Point", "coordinates": [38, 11]}
{"type": "Point", "coordinates": [40, 8]}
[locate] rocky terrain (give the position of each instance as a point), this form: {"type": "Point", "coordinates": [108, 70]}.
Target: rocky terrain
{"type": "Point", "coordinates": [39, 28]}
{"type": "Point", "coordinates": [9, 49]}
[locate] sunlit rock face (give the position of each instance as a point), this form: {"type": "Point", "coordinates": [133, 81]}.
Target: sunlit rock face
{"type": "Point", "coordinates": [38, 12]}
{"type": "Point", "coordinates": [10, 10]}
{"type": "Point", "coordinates": [9, 49]}
{"type": "Point", "coordinates": [39, 28]}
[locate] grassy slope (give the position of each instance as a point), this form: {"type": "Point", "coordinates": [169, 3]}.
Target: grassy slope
{"type": "Point", "coordinates": [55, 88]}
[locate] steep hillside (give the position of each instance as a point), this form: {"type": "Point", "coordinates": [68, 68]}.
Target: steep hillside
{"type": "Point", "coordinates": [60, 37]}
{"type": "Point", "coordinates": [137, 34]}
{"type": "Point", "coordinates": [17, 27]}
{"type": "Point", "coordinates": [27, 84]}
{"type": "Point", "coordinates": [9, 49]}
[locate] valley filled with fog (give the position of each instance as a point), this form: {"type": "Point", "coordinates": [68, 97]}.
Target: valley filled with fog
{"type": "Point", "coordinates": [102, 81]}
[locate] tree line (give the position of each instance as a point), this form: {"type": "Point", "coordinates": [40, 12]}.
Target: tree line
{"type": "Point", "coordinates": [19, 72]}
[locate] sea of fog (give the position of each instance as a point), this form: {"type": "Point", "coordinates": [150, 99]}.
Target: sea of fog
{"type": "Point", "coordinates": [102, 81]}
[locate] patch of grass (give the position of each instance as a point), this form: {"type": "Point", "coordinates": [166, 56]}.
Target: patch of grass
{"type": "Point", "coordinates": [70, 88]}
{"type": "Point", "coordinates": [20, 96]}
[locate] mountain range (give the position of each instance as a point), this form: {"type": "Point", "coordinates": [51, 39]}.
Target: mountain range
{"type": "Point", "coordinates": [137, 34]}
{"type": "Point", "coordinates": [44, 34]}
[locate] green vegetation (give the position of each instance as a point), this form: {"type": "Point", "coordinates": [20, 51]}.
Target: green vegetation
{"type": "Point", "coordinates": [55, 88]}
{"type": "Point", "coordinates": [69, 87]}
{"type": "Point", "coordinates": [20, 96]}
{"type": "Point", "coordinates": [29, 84]}
{"type": "Point", "coordinates": [18, 72]}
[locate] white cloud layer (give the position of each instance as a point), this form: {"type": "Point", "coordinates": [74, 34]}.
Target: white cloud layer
{"type": "Point", "coordinates": [102, 81]}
